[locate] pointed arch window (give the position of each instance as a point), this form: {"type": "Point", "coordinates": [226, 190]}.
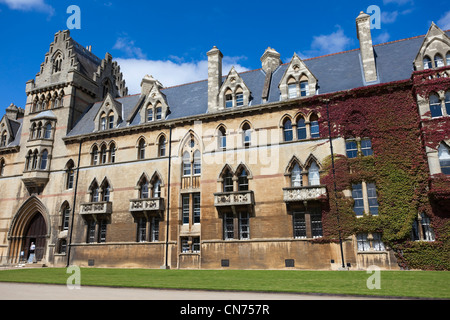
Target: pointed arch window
{"type": "Point", "coordinates": [112, 153]}
{"type": "Point", "coordinates": [103, 154]}
{"type": "Point", "coordinates": [444, 158]}
{"type": "Point", "coordinates": [70, 174]}
{"type": "Point", "coordinates": [141, 149]}
{"type": "Point", "coordinates": [313, 174]}
{"type": "Point", "coordinates": [158, 112]}
{"type": "Point", "coordinates": [301, 128]}
{"type": "Point", "coordinates": [247, 134]}
{"type": "Point", "coordinates": [103, 121]}
{"type": "Point", "coordinates": [243, 180]}
{"type": "Point", "coordinates": [435, 106]}
{"type": "Point", "coordinates": [95, 193]}
{"type": "Point", "coordinates": [144, 189]}
{"type": "Point", "coordinates": [438, 61]}
{"type": "Point", "coordinates": [314, 123]}
{"type": "Point", "coordinates": [106, 191]}
{"type": "Point", "coordinates": [48, 131]}
{"type": "Point", "coordinates": [94, 156]}
{"type": "Point", "coordinates": [197, 162]}
{"type": "Point", "coordinates": [44, 159]}
{"type": "Point", "coordinates": [228, 98]}
{"type": "Point", "coordinates": [222, 138]}
{"type": "Point", "coordinates": [447, 58]}
{"type": "Point", "coordinates": [162, 146]}
{"type": "Point", "coordinates": [304, 88]}
{"type": "Point", "coordinates": [447, 100]}
{"type": "Point", "coordinates": [227, 183]}
{"type": "Point", "coordinates": [296, 176]}
{"type": "Point", "coordinates": [239, 97]}
{"type": "Point", "coordinates": [287, 130]}
{"type": "Point", "coordinates": [111, 120]}
{"type": "Point", "coordinates": [427, 63]}
{"type": "Point", "coordinates": [149, 112]}
{"type": "Point", "coordinates": [292, 88]}
{"type": "Point", "coordinates": [186, 164]}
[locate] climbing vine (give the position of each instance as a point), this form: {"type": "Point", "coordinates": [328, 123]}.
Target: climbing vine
{"type": "Point", "coordinates": [388, 115]}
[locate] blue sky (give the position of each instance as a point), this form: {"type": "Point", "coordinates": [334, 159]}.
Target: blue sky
{"type": "Point", "coordinates": [169, 39]}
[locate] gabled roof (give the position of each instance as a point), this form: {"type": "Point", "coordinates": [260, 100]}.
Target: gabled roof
{"type": "Point", "coordinates": [334, 72]}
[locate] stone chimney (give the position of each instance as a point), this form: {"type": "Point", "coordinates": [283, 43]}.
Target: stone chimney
{"type": "Point", "coordinates": [13, 112]}
{"type": "Point", "coordinates": [147, 84]}
{"type": "Point", "coordinates": [270, 60]}
{"type": "Point", "coordinates": [366, 48]}
{"type": "Point", "coordinates": [214, 77]}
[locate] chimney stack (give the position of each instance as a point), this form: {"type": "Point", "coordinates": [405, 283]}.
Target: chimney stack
{"type": "Point", "coordinates": [270, 60]}
{"type": "Point", "coordinates": [366, 48]}
{"type": "Point", "coordinates": [214, 77]}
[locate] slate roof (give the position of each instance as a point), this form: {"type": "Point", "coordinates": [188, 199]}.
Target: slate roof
{"type": "Point", "coordinates": [335, 72]}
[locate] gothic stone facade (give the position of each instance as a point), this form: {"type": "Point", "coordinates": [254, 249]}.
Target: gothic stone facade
{"type": "Point", "coordinates": [231, 172]}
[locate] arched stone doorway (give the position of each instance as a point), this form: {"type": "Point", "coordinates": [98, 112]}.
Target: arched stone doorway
{"type": "Point", "coordinates": [30, 224]}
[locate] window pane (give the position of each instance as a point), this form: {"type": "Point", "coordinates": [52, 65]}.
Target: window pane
{"type": "Point", "coordinates": [287, 130]}
{"type": "Point", "coordinates": [315, 129]}
{"type": "Point", "coordinates": [244, 226]}
{"type": "Point", "coordinates": [366, 147]}
{"type": "Point", "coordinates": [239, 99]}
{"type": "Point", "coordinates": [304, 89]}
{"type": "Point", "coordinates": [149, 115]}
{"type": "Point", "coordinates": [357, 195]}
{"type": "Point", "coordinates": [185, 209]}
{"type": "Point", "coordinates": [155, 229]}
{"type": "Point", "coordinates": [447, 99]}
{"type": "Point", "coordinates": [427, 63]}
{"type": "Point", "coordinates": [377, 244]}
{"type": "Point", "coordinates": [228, 226]}
{"type": "Point", "coordinates": [228, 182]}
{"type": "Point", "coordinates": [313, 174]}
{"type": "Point", "coordinates": [372, 197]}
{"type": "Point", "coordinates": [144, 190]}
{"type": "Point", "coordinates": [158, 113]}
{"type": "Point", "coordinates": [296, 176]}
{"type": "Point", "coordinates": [428, 233]}
{"type": "Point", "coordinates": [141, 230]}
{"type": "Point", "coordinates": [292, 90]}
{"type": "Point", "coordinates": [316, 222]}
{"type": "Point", "coordinates": [438, 61]}
{"type": "Point", "coordinates": [228, 101]}
{"type": "Point", "coordinates": [243, 181]}
{"type": "Point", "coordinates": [197, 162]}
{"type": "Point", "coordinates": [435, 106]}
{"type": "Point", "coordinates": [186, 164]}
{"type": "Point", "coordinates": [444, 158]}
{"type": "Point", "coordinates": [301, 129]}
{"type": "Point", "coordinates": [299, 224]}
{"type": "Point", "coordinates": [351, 148]}
{"type": "Point", "coordinates": [196, 199]}
{"type": "Point", "coordinates": [362, 242]}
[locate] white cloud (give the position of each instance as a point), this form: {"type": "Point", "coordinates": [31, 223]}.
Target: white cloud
{"type": "Point", "coordinates": [127, 46]}
{"type": "Point", "coordinates": [329, 43]}
{"type": "Point", "coordinates": [444, 22]}
{"type": "Point", "coordinates": [381, 38]}
{"type": "Point", "coordinates": [389, 17]}
{"type": "Point", "coordinates": [169, 72]}
{"type": "Point", "coordinates": [29, 5]}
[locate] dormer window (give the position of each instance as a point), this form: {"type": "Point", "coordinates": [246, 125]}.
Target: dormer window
{"type": "Point", "coordinates": [304, 91]}
{"type": "Point", "coordinates": [239, 97]}
{"type": "Point", "coordinates": [427, 63]}
{"type": "Point", "coordinates": [111, 120]}
{"type": "Point", "coordinates": [103, 122]}
{"type": "Point", "coordinates": [158, 112]}
{"type": "Point", "coordinates": [292, 88]}
{"type": "Point", "coordinates": [228, 99]}
{"type": "Point", "coordinates": [438, 61]}
{"type": "Point", "coordinates": [149, 113]}
{"type": "Point", "coordinates": [4, 139]}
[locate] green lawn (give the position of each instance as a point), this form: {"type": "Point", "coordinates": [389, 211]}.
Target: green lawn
{"type": "Point", "coordinates": [425, 284]}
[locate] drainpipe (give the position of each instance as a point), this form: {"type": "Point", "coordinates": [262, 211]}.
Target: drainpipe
{"type": "Point", "coordinates": [334, 182]}
{"type": "Point", "coordinates": [73, 206]}
{"type": "Point", "coordinates": [166, 266]}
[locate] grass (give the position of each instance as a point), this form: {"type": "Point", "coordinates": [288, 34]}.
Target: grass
{"type": "Point", "coordinates": [422, 284]}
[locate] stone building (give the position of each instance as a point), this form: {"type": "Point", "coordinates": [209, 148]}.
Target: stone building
{"type": "Point", "coordinates": [281, 167]}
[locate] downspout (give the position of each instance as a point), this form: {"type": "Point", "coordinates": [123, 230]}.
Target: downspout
{"type": "Point", "coordinates": [73, 206]}
{"type": "Point", "coordinates": [166, 266]}
{"type": "Point", "coordinates": [334, 182]}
